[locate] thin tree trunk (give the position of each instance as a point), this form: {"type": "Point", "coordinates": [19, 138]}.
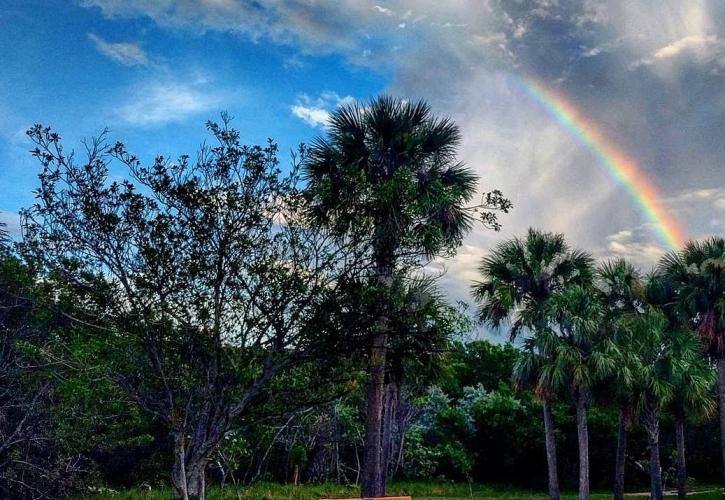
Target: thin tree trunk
{"type": "Point", "coordinates": [551, 451]}
{"type": "Point", "coordinates": [621, 459]}
{"type": "Point", "coordinates": [373, 483]}
{"type": "Point", "coordinates": [681, 465]}
{"type": "Point", "coordinates": [721, 391]}
{"type": "Point", "coordinates": [652, 425]}
{"type": "Point", "coordinates": [583, 438]}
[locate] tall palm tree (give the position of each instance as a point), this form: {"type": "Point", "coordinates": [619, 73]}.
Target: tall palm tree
{"type": "Point", "coordinates": [692, 381]}
{"type": "Point", "coordinates": [577, 357]}
{"type": "Point", "coordinates": [386, 176]}
{"type": "Point", "coordinates": [697, 275]}
{"type": "Point", "coordinates": [667, 360]}
{"type": "Point", "coordinates": [518, 277]}
{"type": "Point", "coordinates": [621, 290]}
{"type": "Point", "coordinates": [692, 378]}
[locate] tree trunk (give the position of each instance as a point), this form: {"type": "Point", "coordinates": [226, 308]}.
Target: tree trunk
{"type": "Point", "coordinates": [652, 426]}
{"type": "Point", "coordinates": [681, 465]}
{"type": "Point", "coordinates": [721, 391]}
{"type": "Point", "coordinates": [373, 474]}
{"type": "Point", "coordinates": [188, 476]}
{"type": "Point", "coordinates": [583, 438]}
{"type": "Point", "coordinates": [551, 451]}
{"type": "Point", "coordinates": [621, 460]}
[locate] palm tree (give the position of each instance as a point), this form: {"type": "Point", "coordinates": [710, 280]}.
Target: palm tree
{"type": "Point", "coordinates": [692, 380]}
{"type": "Point", "coordinates": [518, 277]}
{"type": "Point", "coordinates": [697, 275]}
{"type": "Point", "coordinates": [667, 364]}
{"type": "Point", "coordinates": [645, 342]}
{"type": "Point", "coordinates": [577, 357]}
{"type": "Point", "coordinates": [386, 176]}
{"type": "Point", "coordinates": [621, 290]}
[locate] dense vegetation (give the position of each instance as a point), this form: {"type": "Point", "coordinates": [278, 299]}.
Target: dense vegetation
{"type": "Point", "coordinates": [226, 321]}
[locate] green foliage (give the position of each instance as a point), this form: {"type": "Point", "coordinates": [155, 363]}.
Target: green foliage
{"type": "Point", "coordinates": [388, 169]}
{"type": "Point", "coordinates": [519, 275]}
{"type": "Point", "coordinates": [697, 274]}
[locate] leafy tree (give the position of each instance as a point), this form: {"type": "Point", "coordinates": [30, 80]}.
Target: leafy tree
{"type": "Point", "coordinates": [621, 290]}
{"type": "Point", "coordinates": [421, 327]}
{"type": "Point", "coordinates": [201, 274]}
{"type": "Point", "coordinates": [697, 275]}
{"type": "Point", "coordinates": [33, 462]}
{"type": "Point", "coordinates": [388, 170]}
{"type": "Point", "coordinates": [477, 363]}
{"type": "Point", "coordinates": [519, 276]}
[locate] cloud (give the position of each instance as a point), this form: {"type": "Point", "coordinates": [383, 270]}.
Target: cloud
{"type": "Point", "coordinates": [696, 43]}
{"type": "Point", "coordinates": [158, 103]}
{"type": "Point", "coordinates": [383, 10]}
{"type": "Point", "coordinates": [707, 49]}
{"type": "Point", "coordinates": [469, 60]}
{"type": "Point", "coordinates": [316, 112]}
{"type": "Point", "coordinates": [128, 54]}
{"type": "Point", "coordinates": [12, 223]}
{"type": "Point", "coordinates": [632, 244]}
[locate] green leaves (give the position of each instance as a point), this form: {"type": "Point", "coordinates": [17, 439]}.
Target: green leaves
{"type": "Point", "coordinates": [389, 168]}
{"type": "Point", "coordinates": [519, 275]}
{"type": "Point", "coordinates": [696, 277]}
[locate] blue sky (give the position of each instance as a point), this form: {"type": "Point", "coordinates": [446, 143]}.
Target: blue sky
{"type": "Point", "coordinates": [650, 74]}
{"type": "Point", "coordinates": [69, 67]}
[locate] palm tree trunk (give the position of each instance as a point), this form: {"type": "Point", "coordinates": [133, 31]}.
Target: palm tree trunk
{"type": "Point", "coordinates": [621, 453]}
{"type": "Point", "coordinates": [583, 437]}
{"type": "Point", "coordinates": [373, 474]}
{"type": "Point", "coordinates": [721, 391]}
{"type": "Point", "coordinates": [681, 465]}
{"type": "Point", "coordinates": [652, 426]}
{"type": "Point", "coordinates": [551, 451]}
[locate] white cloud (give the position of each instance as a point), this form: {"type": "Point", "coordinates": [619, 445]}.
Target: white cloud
{"type": "Point", "coordinates": [702, 48]}
{"type": "Point", "coordinates": [316, 112]}
{"type": "Point", "coordinates": [698, 199]}
{"type": "Point", "coordinates": [634, 245]}
{"type": "Point", "coordinates": [697, 43]}
{"type": "Point", "coordinates": [12, 223]}
{"type": "Point", "coordinates": [383, 10]}
{"type": "Point", "coordinates": [128, 54]}
{"type": "Point", "coordinates": [313, 116]}
{"type": "Point", "coordinates": [157, 103]}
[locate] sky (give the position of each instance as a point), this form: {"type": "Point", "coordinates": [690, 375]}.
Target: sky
{"type": "Point", "coordinates": [645, 82]}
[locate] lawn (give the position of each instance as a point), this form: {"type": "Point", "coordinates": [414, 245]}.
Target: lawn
{"type": "Point", "coordinates": [418, 490]}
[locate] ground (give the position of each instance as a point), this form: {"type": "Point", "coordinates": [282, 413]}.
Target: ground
{"type": "Point", "coordinates": [418, 490]}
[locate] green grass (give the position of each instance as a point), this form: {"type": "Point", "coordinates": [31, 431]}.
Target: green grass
{"type": "Point", "coordinates": [419, 490]}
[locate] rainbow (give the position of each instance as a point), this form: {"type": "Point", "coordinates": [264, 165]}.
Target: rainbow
{"type": "Point", "coordinates": [618, 164]}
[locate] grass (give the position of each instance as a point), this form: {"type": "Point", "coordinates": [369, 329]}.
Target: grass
{"type": "Point", "coordinates": [419, 490]}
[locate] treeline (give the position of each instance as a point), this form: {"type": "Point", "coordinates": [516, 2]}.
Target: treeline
{"type": "Point", "coordinates": [224, 320]}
